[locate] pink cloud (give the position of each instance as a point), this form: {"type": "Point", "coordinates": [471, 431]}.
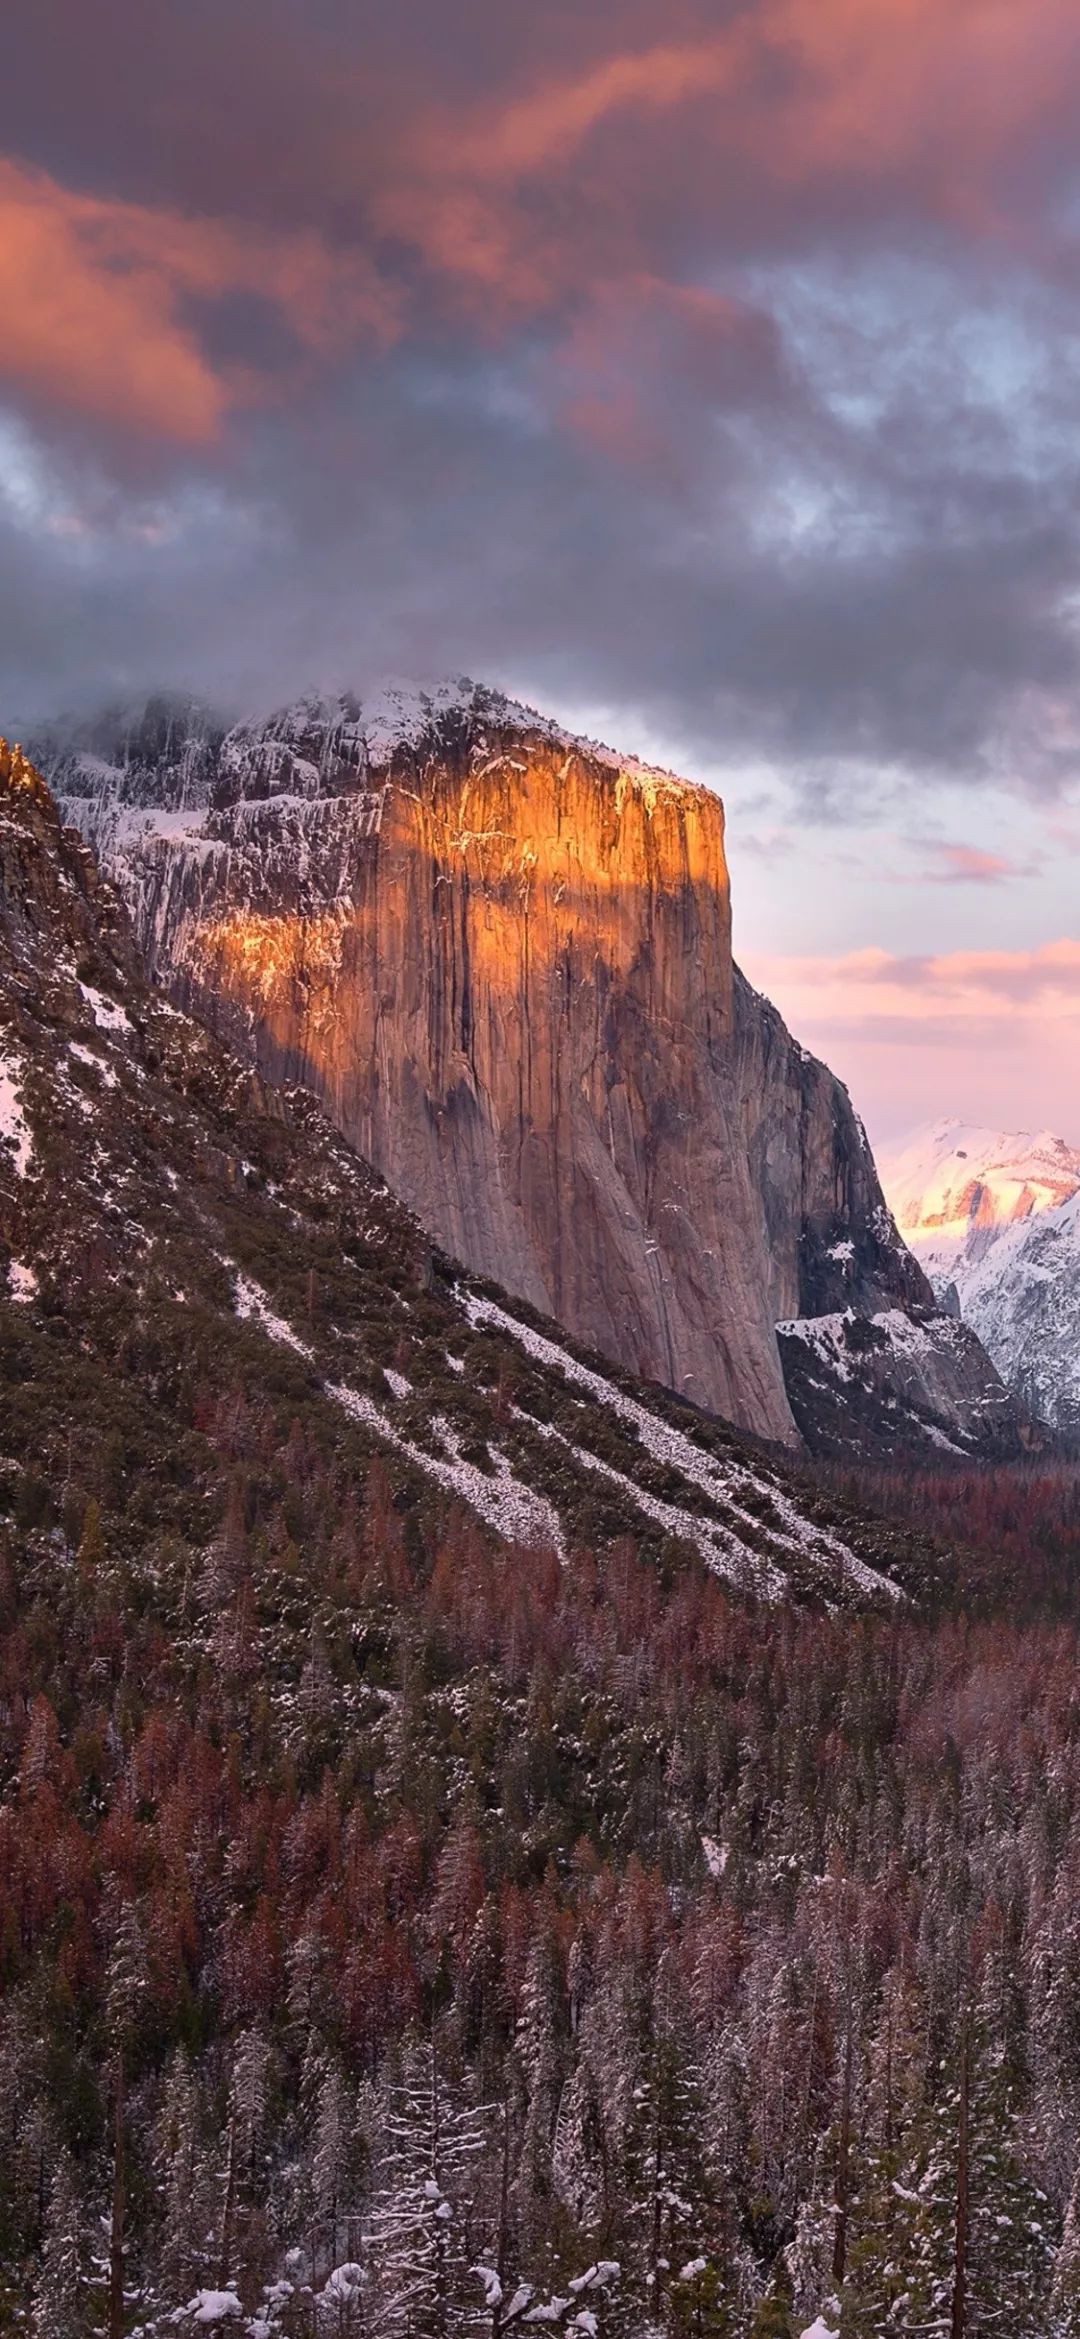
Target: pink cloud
{"type": "Point", "coordinates": [967, 865]}
{"type": "Point", "coordinates": [787, 100]}
{"type": "Point", "coordinates": [561, 183]}
{"type": "Point", "coordinates": [988, 1032]}
{"type": "Point", "coordinates": [99, 302]}
{"type": "Point", "coordinates": [964, 980]}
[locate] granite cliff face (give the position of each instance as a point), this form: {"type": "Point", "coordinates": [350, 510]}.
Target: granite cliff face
{"type": "Point", "coordinates": [174, 1231]}
{"type": "Point", "coordinates": [501, 958]}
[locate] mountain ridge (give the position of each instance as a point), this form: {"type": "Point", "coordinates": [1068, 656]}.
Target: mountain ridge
{"type": "Point", "coordinates": [155, 1191]}
{"type": "Point", "coordinates": [501, 958]}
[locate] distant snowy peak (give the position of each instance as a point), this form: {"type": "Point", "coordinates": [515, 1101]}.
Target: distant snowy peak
{"type": "Point", "coordinates": [954, 1188]}
{"type": "Point", "coordinates": [998, 1217]}
{"type": "Point", "coordinates": [1023, 1299]}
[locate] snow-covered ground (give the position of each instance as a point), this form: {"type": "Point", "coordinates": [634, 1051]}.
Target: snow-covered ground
{"type": "Point", "coordinates": [745, 1524]}
{"type": "Point", "coordinates": [14, 1126]}
{"type": "Point", "coordinates": [735, 1488]}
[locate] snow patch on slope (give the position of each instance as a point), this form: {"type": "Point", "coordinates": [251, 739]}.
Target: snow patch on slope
{"type": "Point", "coordinates": [252, 1304]}
{"type": "Point", "coordinates": [14, 1126]}
{"type": "Point", "coordinates": [515, 1511]}
{"type": "Point", "coordinates": [107, 1015]}
{"type": "Point", "coordinates": [736, 1490]}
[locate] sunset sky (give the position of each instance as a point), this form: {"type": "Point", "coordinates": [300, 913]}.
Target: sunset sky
{"type": "Point", "coordinates": [707, 374]}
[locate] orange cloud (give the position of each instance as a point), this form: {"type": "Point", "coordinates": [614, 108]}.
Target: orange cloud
{"type": "Point", "coordinates": [534, 131]}
{"type": "Point", "coordinates": [543, 194]}
{"type": "Point", "coordinates": [796, 93]}
{"type": "Point", "coordinates": [98, 301]}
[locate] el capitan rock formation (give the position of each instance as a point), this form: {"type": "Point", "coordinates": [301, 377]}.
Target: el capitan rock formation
{"type": "Point", "coordinates": [501, 957]}
{"type": "Point", "coordinates": [175, 1233]}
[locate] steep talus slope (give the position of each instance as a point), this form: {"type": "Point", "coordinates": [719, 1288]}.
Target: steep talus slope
{"type": "Point", "coordinates": [171, 1231]}
{"type": "Point", "coordinates": [994, 1217]}
{"type": "Point", "coordinates": [501, 958]}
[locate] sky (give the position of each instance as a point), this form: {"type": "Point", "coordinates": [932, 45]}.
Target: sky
{"type": "Point", "coordinates": [705, 371]}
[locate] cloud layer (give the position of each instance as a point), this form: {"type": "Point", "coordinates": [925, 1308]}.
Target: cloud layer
{"type": "Point", "coordinates": [714, 362]}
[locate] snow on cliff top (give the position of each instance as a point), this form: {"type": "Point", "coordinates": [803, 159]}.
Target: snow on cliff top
{"type": "Point", "coordinates": [397, 716]}
{"type": "Point", "coordinates": [305, 744]}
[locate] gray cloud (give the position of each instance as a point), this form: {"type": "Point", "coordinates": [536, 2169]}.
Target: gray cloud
{"type": "Point", "coordinates": [784, 466]}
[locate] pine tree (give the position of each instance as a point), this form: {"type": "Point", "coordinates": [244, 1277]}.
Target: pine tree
{"type": "Point", "coordinates": [1065, 2296]}
{"type": "Point", "coordinates": [244, 2146]}
{"type": "Point", "coordinates": [421, 2226]}
{"type": "Point", "coordinates": [773, 2318]}
{"type": "Point", "coordinates": [126, 1995]}
{"type": "Point", "coordinates": [185, 2186]}
{"type": "Point", "coordinates": [810, 2254]}
{"type": "Point", "coordinates": [539, 2054]}
{"type": "Point", "coordinates": [874, 2283]}
{"type": "Point", "coordinates": [58, 2301]}
{"type": "Point", "coordinates": [331, 2162]}
{"type": "Point", "coordinates": [978, 2256]}
{"type": "Point", "coordinates": [674, 2201]}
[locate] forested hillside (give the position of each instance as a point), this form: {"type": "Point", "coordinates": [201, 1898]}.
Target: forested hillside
{"type": "Point", "coordinates": [431, 1916]}
{"type": "Point", "coordinates": [482, 1848]}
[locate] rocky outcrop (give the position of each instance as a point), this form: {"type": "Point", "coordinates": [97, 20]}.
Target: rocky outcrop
{"type": "Point", "coordinates": [893, 1386]}
{"type": "Point", "coordinates": [501, 957]}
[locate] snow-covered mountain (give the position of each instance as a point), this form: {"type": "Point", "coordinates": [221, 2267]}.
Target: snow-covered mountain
{"type": "Point", "coordinates": [153, 1193]}
{"type": "Point", "coordinates": [995, 1216]}
{"type": "Point", "coordinates": [500, 957]}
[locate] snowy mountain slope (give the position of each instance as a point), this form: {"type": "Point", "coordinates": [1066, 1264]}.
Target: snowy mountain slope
{"type": "Point", "coordinates": [996, 1216]}
{"type": "Point", "coordinates": [1021, 1295]}
{"type": "Point", "coordinates": [169, 1228]}
{"type": "Point", "coordinates": [876, 1388]}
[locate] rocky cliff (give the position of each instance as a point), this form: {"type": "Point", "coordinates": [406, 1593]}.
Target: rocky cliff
{"type": "Point", "coordinates": [182, 1245]}
{"type": "Point", "coordinates": [501, 957]}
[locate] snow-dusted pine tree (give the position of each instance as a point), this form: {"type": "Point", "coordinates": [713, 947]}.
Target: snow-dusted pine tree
{"type": "Point", "coordinates": [424, 2229]}
{"type": "Point", "coordinates": [59, 2303]}
{"type": "Point", "coordinates": [183, 2257]}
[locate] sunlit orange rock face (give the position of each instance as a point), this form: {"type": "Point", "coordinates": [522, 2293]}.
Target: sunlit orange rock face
{"type": "Point", "coordinates": [502, 959]}
{"type": "Point", "coordinates": [522, 1013]}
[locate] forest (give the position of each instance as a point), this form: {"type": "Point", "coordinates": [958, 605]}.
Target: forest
{"type": "Point", "coordinates": [404, 1935]}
